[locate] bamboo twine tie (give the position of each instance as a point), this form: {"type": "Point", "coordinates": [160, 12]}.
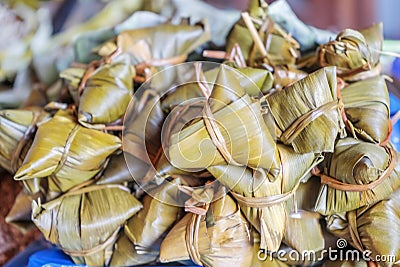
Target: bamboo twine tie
{"type": "Point", "coordinates": [303, 121]}
{"type": "Point", "coordinates": [334, 183]}
{"type": "Point", "coordinates": [212, 128]}
{"type": "Point", "coordinates": [264, 202]}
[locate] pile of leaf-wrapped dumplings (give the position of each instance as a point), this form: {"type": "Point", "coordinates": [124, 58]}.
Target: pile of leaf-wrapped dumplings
{"type": "Point", "coordinates": [279, 148]}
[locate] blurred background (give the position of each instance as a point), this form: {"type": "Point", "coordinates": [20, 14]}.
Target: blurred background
{"type": "Point", "coordinates": [333, 15]}
{"type": "Point", "coordinates": [336, 15]}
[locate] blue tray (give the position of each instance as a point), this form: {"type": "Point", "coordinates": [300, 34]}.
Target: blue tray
{"type": "Point", "coordinates": [395, 107]}
{"type": "Point", "coordinates": [54, 257]}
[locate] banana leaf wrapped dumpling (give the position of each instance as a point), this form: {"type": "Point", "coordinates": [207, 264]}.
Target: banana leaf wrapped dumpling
{"type": "Point", "coordinates": [258, 81]}
{"type": "Point", "coordinates": [85, 223]}
{"type": "Point", "coordinates": [219, 238]}
{"type": "Point", "coordinates": [103, 94]}
{"type": "Point", "coordinates": [373, 229]}
{"type": "Point", "coordinates": [306, 238]}
{"type": "Point", "coordinates": [265, 44]}
{"type": "Point", "coordinates": [262, 201]}
{"type": "Point", "coordinates": [308, 112]}
{"type": "Point", "coordinates": [268, 219]}
{"type": "Point", "coordinates": [232, 130]}
{"type": "Point", "coordinates": [281, 48]}
{"type": "Point", "coordinates": [66, 152]}
{"type": "Point", "coordinates": [357, 174]}
{"type": "Point", "coordinates": [295, 257]}
{"type": "Point", "coordinates": [355, 53]}
{"type": "Point", "coordinates": [262, 78]}
{"type": "Point", "coordinates": [126, 254]}
{"type": "Point", "coordinates": [86, 43]}
{"type": "Point", "coordinates": [145, 155]}
{"type": "Point", "coordinates": [16, 129]}
{"type": "Point", "coordinates": [153, 49]}
{"type": "Point", "coordinates": [143, 45]}
{"type": "Point", "coordinates": [366, 104]}
{"type": "Point", "coordinates": [141, 140]}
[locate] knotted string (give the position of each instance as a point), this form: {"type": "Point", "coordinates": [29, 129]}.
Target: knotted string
{"type": "Point", "coordinates": [334, 183]}
{"type": "Point", "coordinates": [110, 240]}
{"type": "Point", "coordinates": [341, 84]}
{"type": "Point", "coordinates": [93, 66]}
{"type": "Point", "coordinates": [192, 238]}
{"type": "Point", "coordinates": [264, 202]}
{"type": "Point", "coordinates": [212, 128]}
{"type": "Point", "coordinates": [304, 120]}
